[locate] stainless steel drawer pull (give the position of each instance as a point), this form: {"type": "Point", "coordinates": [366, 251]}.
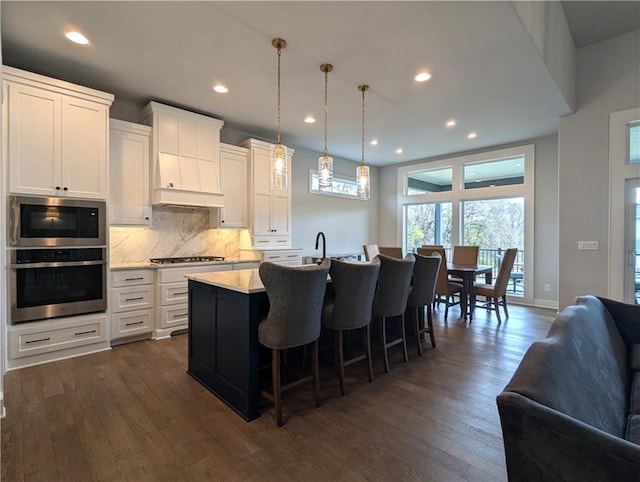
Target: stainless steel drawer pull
{"type": "Point", "coordinates": [178, 315]}
{"type": "Point", "coordinates": [292, 256]}
{"type": "Point", "coordinates": [274, 257]}
{"type": "Point", "coordinates": [134, 279]}
{"type": "Point", "coordinates": [281, 241]}
{"type": "Point", "coordinates": [135, 299]}
{"type": "Point", "coordinates": [38, 341]}
{"type": "Point", "coordinates": [263, 241]}
{"type": "Point", "coordinates": [85, 332]}
{"type": "Point", "coordinates": [180, 293]}
{"type": "Point", "coordinates": [134, 323]}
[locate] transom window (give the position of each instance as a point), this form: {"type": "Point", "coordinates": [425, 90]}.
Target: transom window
{"type": "Point", "coordinates": [341, 186]}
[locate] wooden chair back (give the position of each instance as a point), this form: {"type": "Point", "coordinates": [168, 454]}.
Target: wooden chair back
{"type": "Point", "coordinates": [370, 251]}
{"type": "Point", "coordinates": [467, 255]}
{"type": "Point", "coordinates": [393, 251]}
{"type": "Point", "coordinates": [500, 286]}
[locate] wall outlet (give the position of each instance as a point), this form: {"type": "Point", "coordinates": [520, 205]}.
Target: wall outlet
{"type": "Point", "coordinates": [547, 287]}
{"type": "Point", "coordinates": [588, 245]}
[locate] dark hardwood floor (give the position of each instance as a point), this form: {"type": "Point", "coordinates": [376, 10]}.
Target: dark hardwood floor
{"type": "Point", "coordinates": [132, 413]}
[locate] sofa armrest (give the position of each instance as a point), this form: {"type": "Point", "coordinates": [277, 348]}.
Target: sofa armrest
{"type": "Point", "coordinates": [544, 444]}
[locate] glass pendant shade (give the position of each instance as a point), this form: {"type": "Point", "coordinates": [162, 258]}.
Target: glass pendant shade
{"type": "Point", "coordinates": [278, 166]}
{"type": "Point", "coordinates": [363, 181]}
{"type": "Point", "coordinates": [325, 171]}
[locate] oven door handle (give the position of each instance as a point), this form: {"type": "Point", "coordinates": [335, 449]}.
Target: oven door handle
{"type": "Point", "coordinates": [61, 264]}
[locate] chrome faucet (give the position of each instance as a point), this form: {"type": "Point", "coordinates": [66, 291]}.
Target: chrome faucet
{"type": "Point", "coordinates": [324, 244]}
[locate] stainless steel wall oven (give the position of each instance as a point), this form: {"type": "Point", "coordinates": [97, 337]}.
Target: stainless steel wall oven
{"type": "Point", "coordinates": [48, 283]}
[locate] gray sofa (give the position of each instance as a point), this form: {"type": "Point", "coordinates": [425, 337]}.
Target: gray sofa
{"type": "Point", "coordinates": [572, 409]}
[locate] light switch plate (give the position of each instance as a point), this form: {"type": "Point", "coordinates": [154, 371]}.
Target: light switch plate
{"type": "Point", "coordinates": [588, 245]}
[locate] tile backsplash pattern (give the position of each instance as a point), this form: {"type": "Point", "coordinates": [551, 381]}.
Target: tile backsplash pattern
{"type": "Point", "coordinates": [176, 231]}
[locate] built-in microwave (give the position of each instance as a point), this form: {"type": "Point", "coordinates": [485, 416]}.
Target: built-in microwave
{"type": "Point", "coordinates": [44, 222]}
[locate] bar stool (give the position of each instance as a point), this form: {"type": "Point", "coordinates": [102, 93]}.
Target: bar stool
{"type": "Point", "coordinates": [390, 300]}
{"type": "Point", "coordinates": [296, 295]}
{"type": "Point", "coordinates": [354, 285]}
{"type": "Point", "coordinates": [422, 294]}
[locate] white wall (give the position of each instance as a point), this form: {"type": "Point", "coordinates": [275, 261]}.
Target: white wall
{"type": "Point", "coordinates": [346, 223]}
{"type": "Point", "coordinates": [608, 80]}
{"type": "Point", "coordinates": [545, 212]}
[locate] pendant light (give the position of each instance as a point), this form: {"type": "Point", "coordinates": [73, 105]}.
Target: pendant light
{"type": "Point", "coordinates": [363, 180]}
{"type": "Point", "coordinates": [278, 155]}
{"type": "Point", "coordinates": [325, 163]}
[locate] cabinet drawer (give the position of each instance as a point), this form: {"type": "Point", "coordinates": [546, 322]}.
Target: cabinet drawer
{"type": "Point", "coordinates": [51, 337]}
{"type": "Point", "coordinates": [131, 277]}
{"type": "Point", "coordinates": [175, 315]}
{"type": "Point", "coordinates": [131, 323]}
{"type": "Point", "coordinates": [131, 298]}
{"type": "Point", "coordinates": [271, 240]}
{"type": "Point", "coordinates": [172, 293]}
{"type": "Point", "coordinates": [283, 256]}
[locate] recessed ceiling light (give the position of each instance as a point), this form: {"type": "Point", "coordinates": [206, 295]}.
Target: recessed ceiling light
{"type": "Point", "coordinates": [374, 142]}
{"type": "Point", "coordinates": [399, 150]}
{"type": "Point", "coordinates": [472, 135]}
{"type": "Point", "coordinates": [220, 89]}
{"type": "Point", "coordinates": [451, 123]}
{"type": "Point", "coordinates": [309, 119]}
{"type": "Point", "coordinates": [422, 77]}
{"type": "Point", "coordinates": [77, 37]}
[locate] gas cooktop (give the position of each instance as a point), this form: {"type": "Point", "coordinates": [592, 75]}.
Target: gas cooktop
{"type": "Point", "coordinates": [186, 259]}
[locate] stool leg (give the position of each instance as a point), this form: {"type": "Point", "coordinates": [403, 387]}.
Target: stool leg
{"type": "Point", "coordinates": [340, 360]}
{"type": "Point", "coordinates": [383, 326]}
{"type": "Point", "coordinates": [404, 339]}
{"type": "Point", "coordinates": [416, 317]}
{"type": "Point", "coordinates": [316, 373]}
{"type": "Point", "coordinates": [430, 324]}
{"type": "Point", "coordinates": [367, 349]}
{"type": "Point", "coordinates": [277, 392]}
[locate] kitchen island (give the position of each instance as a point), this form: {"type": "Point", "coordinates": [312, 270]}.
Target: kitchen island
{"type": "Point", "coordinates": [225, 308]}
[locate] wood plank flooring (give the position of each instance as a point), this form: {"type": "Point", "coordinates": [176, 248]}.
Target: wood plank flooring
{"type": "Point", "coordinates": [132, 413]}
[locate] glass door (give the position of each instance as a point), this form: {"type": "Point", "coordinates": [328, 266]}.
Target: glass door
{"type": "Point", "coordinates": [632, 242]}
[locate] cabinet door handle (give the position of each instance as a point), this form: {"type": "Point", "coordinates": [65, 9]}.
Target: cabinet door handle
{"type": "Point", "coordinates": [38, 341]}
{"type": "Point", "coordinates": [134, 299]}
{"type": "Point", "coordinates": [134, 323]}
{"type": "Point", "coordinates": [65, 188]}
{"type": "Point", "coordinates": [146, 218]}
{"type": "Point", "coordinates": [57, 188]}
{"type": "Point", "coordinates": [85, 332]}
{"type": "Point", "coordinates": [134, 279]}
{"type": "Point", "coordinates": [292, 256]}
{"type": "Point", "coordinates": [263, 241]}
{"type": "Point", "coordinates": [281, 241]}
{"type": "Point", "coordinates": [180, 293]}
{"type": "Point", "coordinates": [273, 257]}
{"type": "Point", "coordinates": [179, 315]}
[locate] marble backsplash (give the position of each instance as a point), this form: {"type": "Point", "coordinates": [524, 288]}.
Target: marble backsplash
{"type": "Point", "coordinates": [176, 231]}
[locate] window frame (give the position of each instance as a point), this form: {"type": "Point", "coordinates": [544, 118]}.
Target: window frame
{"type": "Point", "coordinates": [339, 178]}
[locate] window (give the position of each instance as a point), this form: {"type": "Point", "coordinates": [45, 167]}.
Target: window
{"type": "Point", "coordinates": [433, 180]}
{"type": "Point", "coordinates": [341, 187]}
{"type": "Point", "coordinates": [634, 142]}
{"type": "Point", "coordinates": [429, 223]}
{"type": "Point", "coordinates": [494, 173]}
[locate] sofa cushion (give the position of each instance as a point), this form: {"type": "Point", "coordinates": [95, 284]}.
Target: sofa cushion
{"type": "Point", "coordinates": [634, 405]}
{"type": "Point", "coordinates": [580, 369]}
{"type": "Point", "coordinates": [635, 357]}
{"type": "Point", "coordinates": [633, 429]}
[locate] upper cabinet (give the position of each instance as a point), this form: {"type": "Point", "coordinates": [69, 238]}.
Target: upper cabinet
{"type": "Point", "coordinates": [185, 156]}
{"type": "Point", "coordinates": [269, 207]}
{"type": "Point", "coordinates": [129, 201]}
{"type": "Point", "coordinates": [233, 183]}
{"type": "Point", "coordinates": [56, 136]}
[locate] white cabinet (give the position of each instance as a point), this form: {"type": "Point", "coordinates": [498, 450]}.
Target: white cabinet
{"type": "Point", "coordinates": [233, 184]}
{"type": "Point", "coordinates": [131, 303]}
{"type": "Point", "coordinates": [129, 201]}
{"type": "Point", "coordinates": [45, 341]}
{"type": "Point", "coordinates": [269, 208]}
{"type": "Point", "coordinates": [185, 156]}
{"type": "Point", "coordinates": [288, 257]}
{"type": "Point", "coordinates": [57, 136]}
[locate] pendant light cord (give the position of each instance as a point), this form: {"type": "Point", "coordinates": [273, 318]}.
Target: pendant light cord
{"type": "Point", "coordinates": [278, 110]}
{"type": "Point", "coordinates": [326, 111]}
{"type": "Point", "coordinates": [362, 89]}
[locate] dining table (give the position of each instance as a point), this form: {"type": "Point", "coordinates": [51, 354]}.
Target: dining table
{"type": "Point", "coordinates": [467, 273]}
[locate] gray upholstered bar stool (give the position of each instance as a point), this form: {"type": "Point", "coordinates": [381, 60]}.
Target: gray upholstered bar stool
{"type": "Point", "coordinates": [390, 300]}
{"type": "Point", "coordinates": [296, 295]}
{"type": "Point", "coordinates": [422, 294]}
{"type": "Point", "coordinates": [354, 285]}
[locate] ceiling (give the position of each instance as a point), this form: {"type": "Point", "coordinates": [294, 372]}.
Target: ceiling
{"type": "Point", "coordinates": [486, 72]}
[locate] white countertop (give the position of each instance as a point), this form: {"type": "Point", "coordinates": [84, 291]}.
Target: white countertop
{"type": "Point", "coordinates": [244, 281]}
{"type": "Point", "coordinates": [147, 264]}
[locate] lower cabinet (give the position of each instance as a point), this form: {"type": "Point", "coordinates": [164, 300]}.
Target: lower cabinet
{"type": "Point", "coordinates": [42, 341]}
{"type": "Point", "coordinates": [288, 257]}
{"type": "Point", "coordinates": [131, 303]}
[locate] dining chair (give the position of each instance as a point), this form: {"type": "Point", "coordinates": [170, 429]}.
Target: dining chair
{"type": "Point", "coordinates": [370, 251]}
{"type": "Point", "coordinates": [354, 285]}
{"type": "Point", "coordinates": [422, 295]}
{"type": "Point", "coordinates": [465, 255]}
{"type": "Point", "coordinates": [296, 296]}
{"type": "Point", "coordinates": [496, 294]}
{"type": "Point", "coordinates": [390, 299]}
{"type": "Point", "coordinates": [444, 287]}
{"type": "Point", "coordinates": [393, 251]}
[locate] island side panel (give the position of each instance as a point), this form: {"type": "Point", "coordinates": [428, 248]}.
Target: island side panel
{"type": "Point", "coordinates": [223, 344]}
